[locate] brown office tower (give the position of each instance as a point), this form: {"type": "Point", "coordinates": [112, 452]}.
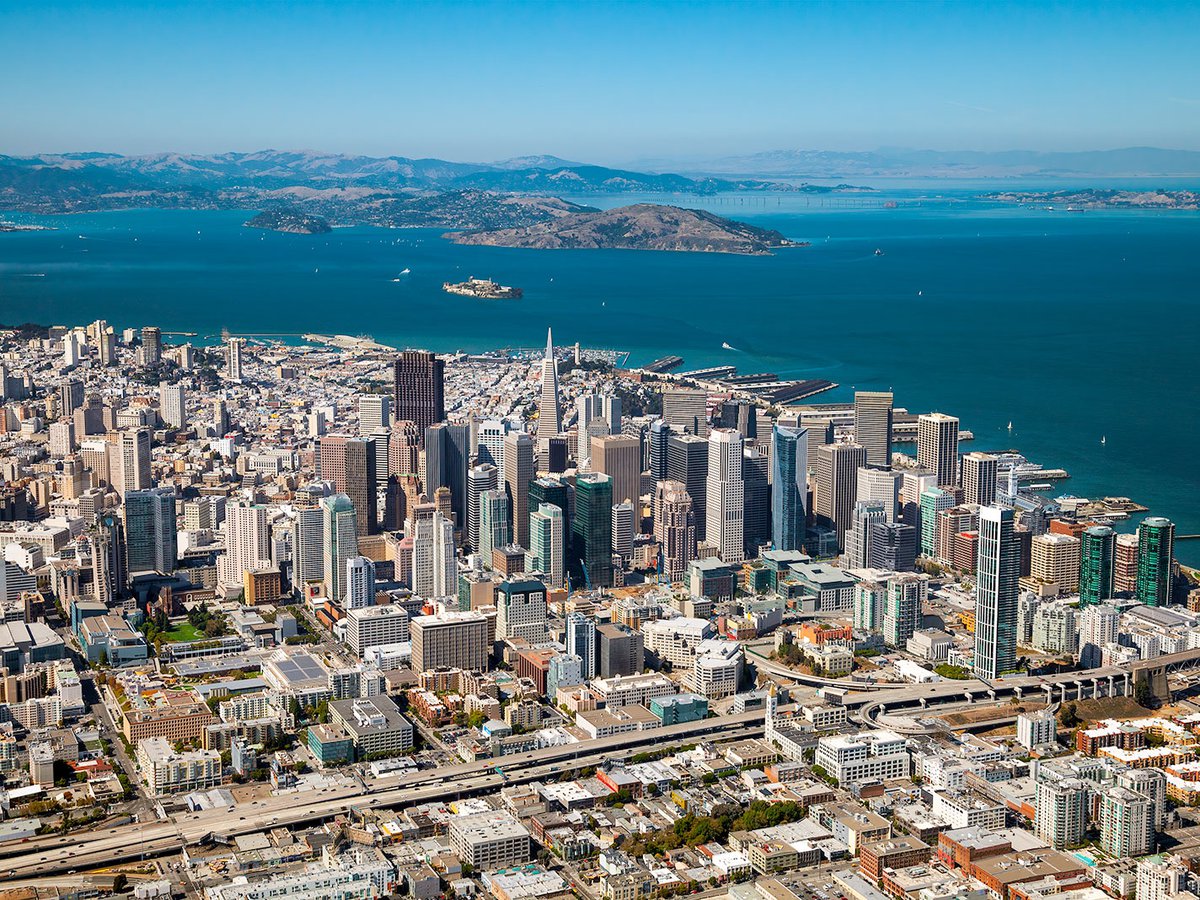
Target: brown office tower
{"type": "Point", "coordinates": [519, 470]}
{"type": "Point", "coordinates": [349, 462]}
{"type": "Point", "coordinates": [419, 394]}
{"type": "Point", "coordinates": [619, 456]}
{"type": "Point", "coordinates": [395, 505]}
{"type": "Point", "coordinates": [404, 447]}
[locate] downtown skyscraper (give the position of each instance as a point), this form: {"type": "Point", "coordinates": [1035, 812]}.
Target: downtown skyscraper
{"type": "Point", "coordinates": [129, 461]}
{"type": "Point", "coordinates": [339, 535]}
{"type": "Point", "coordinates": [873, 426]}
{"type": "Point", "coordinates": [581, 641]}
{"type": "Point", "coordinates": [687, 463]}
{"type": "Point", "coordinates": [591, 530]}
{"type": "Point", "coordinates": [1097, 551]}
{"type": "Point", "coordinates": [519, 470]}
{"type": "Point", "coordinates": [172, 404]}
{"type": "Point", "coordinates": [789, 486]}
{"type": "Point", "coordinates": [418, 384]}
{"type": "Point", "coordinates": [620, 456]}
{"type": "Point", "coordinates": [233, 359]}
{"type": "Point", "coordinates": [482, 478]}
{"type": "Point", "coordinates": [447, 461]}
{"type": "Point", "coordinates": [434, 563]}
{"type": "Point", "coordinates": [349, 462]}
{"type": "Point", "coordinates": [937, 447]}
{"type": "Point", "coordinates": [150, 535]}
{"type": "Point", "coordinates": [836, 486]}
{"type": "Point", "coordinates": [996, 589]}
{"type": "Point", "coordinates": [674, 529]}
{"type": "Point", "coordinates": [724, 500]}
{"type": "Point", "coordinates": [549, 421]}
{"type": "Point", "coordinates": [547, 544]}
{"type": "Point", "coordinates": [979, 478]}
{"type": "Point", "coordinates": [494, 529]}
{"type": "Point", "coordinates": [1155, 560]}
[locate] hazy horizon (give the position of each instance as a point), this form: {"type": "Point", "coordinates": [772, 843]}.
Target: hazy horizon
{"type": "Point", "coordinates": [603, 83]}
{"type": "Point", "coordinates": [533, 154]}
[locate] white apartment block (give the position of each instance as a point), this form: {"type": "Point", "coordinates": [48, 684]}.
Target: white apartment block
{"type": "Point", "coordinates": [376, 626]}
{"type": "Point", "coordinates": [168, 772]}
{"type": "Point", "coordinates": [489, 841]}
{"type": "Point", "coordinates": [633, 690]}
{"type": "Point", "coordinates": [874, 756]}
{"type": "Point", "coordinates": [676, 640]}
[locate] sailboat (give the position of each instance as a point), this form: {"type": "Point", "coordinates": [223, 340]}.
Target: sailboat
{"type": "Point", "coordinates": [1010, 426]}
{"type": "Point", "coordinates": [1104, 440]}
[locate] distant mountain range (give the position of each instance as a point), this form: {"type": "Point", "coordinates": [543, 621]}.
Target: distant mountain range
{"type": "Point", "coordinates": [901, 162]}
{"type": "Point", "coordinates": [398, 191]}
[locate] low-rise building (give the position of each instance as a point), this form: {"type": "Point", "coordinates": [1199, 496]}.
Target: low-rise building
{"type": "Point", "coordinates": [598, 723]}
{"type": "Point", "coordinates": [375, 724]}
{"type": "Point", "coordinates": [872, 756]}
{"type": "Point", "coordinates": [629, 690]}
{"type": "Point", "coordinates": [680, 708]}
{"type": "Point", "coordinates": [174, 715]}
{"type": "Point", "coordinates": [893, 853]}
{"type": "Point", "coordinates": [330, 744]}
{"type": "Point", "coordinates": [168, 772]}
{"type": "Point", "coordinates": [489, 840]}
{"type": "Point", "coordinates": [824, 718]}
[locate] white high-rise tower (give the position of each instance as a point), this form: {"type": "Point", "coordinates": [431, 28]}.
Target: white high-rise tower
{"type": "Point", "coordinates": [549, 413]}
{"type": "Point", "coordinates": [724, 494]}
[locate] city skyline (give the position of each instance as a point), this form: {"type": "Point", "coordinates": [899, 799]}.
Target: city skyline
{"type": "Point", "coordinates": [843, 547]}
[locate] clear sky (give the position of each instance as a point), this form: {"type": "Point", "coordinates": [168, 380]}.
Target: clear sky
{"type": "Point", "coordinates": [604, 82]}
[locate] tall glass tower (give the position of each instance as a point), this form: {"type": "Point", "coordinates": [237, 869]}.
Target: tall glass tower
{"type": "Point", "coordinates": [1156, 550]}
{"type": "Point", "coordinates": [996, 587]}
{"type": "Point", "coordinates": [591, 530]}
{"type": "Point", "coordinates": [1097, 549]}
{"type": "Point", "coordinates": [789, 486]}
{"type": "Point", "coordinates": [341, 542]}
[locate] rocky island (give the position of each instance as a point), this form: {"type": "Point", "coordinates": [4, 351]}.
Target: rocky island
{"type": "Point", "coordinates": [642, 226]}
{"type": "Point", "coordinates": [290, 221]}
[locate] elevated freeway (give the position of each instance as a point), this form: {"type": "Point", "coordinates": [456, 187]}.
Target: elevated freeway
{"type": "Point", "coordinates": [1101, 682]}
{"type": "Point", "coordinates": [140, 840]}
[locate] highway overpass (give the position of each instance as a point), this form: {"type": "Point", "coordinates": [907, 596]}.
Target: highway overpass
{"type": "Point", "coordinates": [139, 840]}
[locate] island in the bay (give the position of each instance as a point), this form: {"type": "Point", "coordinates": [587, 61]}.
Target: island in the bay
{"type": "Point", "coordinates": [1096, 198]}
{"type": "Point", "coordinates": [642, 226]}
{"type": "Point", "coordinates": [19, 226]}
{"type": "Point", "coordinates": [483, 288]}
{"type": "Point", "coordinates": [308, 193]}
{"type": "Point", "coordinates": [291, 221]}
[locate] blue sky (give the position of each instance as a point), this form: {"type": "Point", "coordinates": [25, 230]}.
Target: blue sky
{"type": "Point", "coordinates": [606, 82]}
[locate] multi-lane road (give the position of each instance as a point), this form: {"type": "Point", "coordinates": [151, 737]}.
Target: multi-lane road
{"type": "Point", "coordinates": [49, 855]}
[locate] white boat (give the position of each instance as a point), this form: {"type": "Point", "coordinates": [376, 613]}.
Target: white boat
{"type": "Point", "coordinates": [1104, 440]}
{"type": "Point", "coordinates": [405, 271]}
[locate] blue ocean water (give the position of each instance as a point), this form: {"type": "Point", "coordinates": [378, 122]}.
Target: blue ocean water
{"type": "Point", "coordinates": [1073, 326]}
